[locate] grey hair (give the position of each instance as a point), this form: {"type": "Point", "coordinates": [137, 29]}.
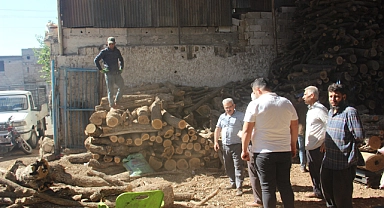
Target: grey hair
{"type": "Point", "coordinates": [261, 83]}
{"type": "Point", "coordinates": [312, 90]}
{"type": "Point", "coordinates": [228, 100]}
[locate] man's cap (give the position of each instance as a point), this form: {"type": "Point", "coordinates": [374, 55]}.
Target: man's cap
{"type": "Point", "coordinates": [111, 40]}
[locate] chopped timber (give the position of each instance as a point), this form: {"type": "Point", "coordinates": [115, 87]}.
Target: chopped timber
{"type": "Point", "coordinates": [182, 164]}
{"type": "Point", "coordinates": [173, 121]}
{"type": "Point", "coordinates": [155, 163]}
{"type": "Point", "coordinates": [134, 128]}
{"type": "Point", "coordinates": [98, 117]}
{"type": "Point", "coordinates": [194, 163]}
{"type": "Point", "coordinates": [170, 164]}
{"type": "Point", "coordinates": [93, 130]}
{"type": "Point", "coordinates": [174, 90]}
{"type": "Point", "coordinates": [113, 118]}
{"type": "Point", "coordinates": [113, 138]}
{"type": "Point", "coordinates": [156, 116]}
{"type": "Point", "coordinates": [373, 162]}
{"type": "Point", "coordinates": [143, 114]}
{"type": "Point", "coordinates": [166, 132]}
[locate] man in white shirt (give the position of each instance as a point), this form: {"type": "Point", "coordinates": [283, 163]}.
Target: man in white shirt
{"type": "Point", "coordinates": [272, 123]}
{"type": "Point", "coordinates": [317, 116]}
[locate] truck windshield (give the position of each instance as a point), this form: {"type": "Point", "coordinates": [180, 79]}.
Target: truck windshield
{"type": "Point", "coordinates": [13, 102]}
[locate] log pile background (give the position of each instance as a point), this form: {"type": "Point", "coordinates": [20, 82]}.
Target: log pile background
{"type": "Point", "coordinates": [336, 41]}
{"type": "Point", "coordinates": [171, 126]}
{"type": "Point", "coordinates": [339, 41]}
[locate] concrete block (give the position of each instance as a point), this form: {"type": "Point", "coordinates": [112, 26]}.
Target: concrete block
{"type": "Point", "coordinates": [254, 28]}
{"type": "Point", "coordinates": [288, 9]}
{"type": "Point", "coordinates": [188, 30]}
{"type": "Point", "coordinates": [259, 35]}
{"type": "Point", "coordinates": [92, 31]}
{"type": "Point", "coordinates": [234, 28]}
{"type": "Point", "coordinates": [235, 21]}
{"type": "Point", "coordinates": [133, 31]}
{"type": "Point", "coordinates": [267, 41]}
{"type": "Point", "coordinates": [166, 30]}
{"type": "Point", "coordinates": [254, 41]}
{"type": "Point", "coordinates": [148, 31]}
{"type": "Point", "coordinates": [224, 29]}
{"type": "Point", "coordinates": [89, 51]}
{"type": "Point", "coordinates": [266, 28]}
{"type": "Point", "coordinates": [264, 22]}
{"type": "Point", "coordinates": [253, 15]}
{"type": "Point", "coordinates": [266, 15]}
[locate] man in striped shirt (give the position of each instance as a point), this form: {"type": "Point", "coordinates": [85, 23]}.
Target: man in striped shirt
{"type": "Point", "coordinates": [344, 133]}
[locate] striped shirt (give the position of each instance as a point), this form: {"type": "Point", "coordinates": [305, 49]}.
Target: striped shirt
{"type": "Point", "coordinates": [344, 131]}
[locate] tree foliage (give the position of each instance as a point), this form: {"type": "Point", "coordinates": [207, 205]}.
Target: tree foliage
{"type": "Point", "coordinates": [44, 59]}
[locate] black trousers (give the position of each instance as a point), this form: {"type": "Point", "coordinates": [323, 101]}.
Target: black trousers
{"type": "Point", "coordinates": [315, 158]}
{"type": "Point", "coordinates": [337, 186]}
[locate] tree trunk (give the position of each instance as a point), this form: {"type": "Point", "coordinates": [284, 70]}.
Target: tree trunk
{"type": "Point", "coordinates": [134, 128]}
{"type": "Point", "coordinates": [156, 117]}
{"type": "Point", "coordinates": [173, 121]}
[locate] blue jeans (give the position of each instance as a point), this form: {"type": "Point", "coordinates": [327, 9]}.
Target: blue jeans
{"type": "Point", "coordinates": [274, 170]}
{"type": "Point", "coordinates": [112, 80]}
{"type": "Point", "coordinates": [234, 165]}
{"type": "Point", "coordinates": [302, 154]}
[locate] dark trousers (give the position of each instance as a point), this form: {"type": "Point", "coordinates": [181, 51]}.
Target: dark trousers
{"type": "Point", "coordinates": [315, 158]}
{"type": "Point", "coordinates": [234, 165]}
{"type": "Point", "coordinates": [254, 179]}
{"type": "Point", "coordinates": [337, 186]}
{"type": "Point", "coordinates": [274, 170]}
{"type": "Point", "coordinates": [112, 80]}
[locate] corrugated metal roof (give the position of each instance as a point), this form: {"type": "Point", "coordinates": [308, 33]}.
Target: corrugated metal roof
{"type": "Point", "coordinates": [145, 13]}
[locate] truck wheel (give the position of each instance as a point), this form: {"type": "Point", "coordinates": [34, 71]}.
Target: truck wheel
{"type": "Point", "coordinates": [25, 147]}
{"type": "Point", "coordinates": [33, 140]}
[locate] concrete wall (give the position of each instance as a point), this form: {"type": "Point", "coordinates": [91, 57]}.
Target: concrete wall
{"type": "Point", "coordinates": [199, 56]}
{"type": "Point", "coordinates": [13, 72]}
{"type": "Point", "coordinates": [31, 69]}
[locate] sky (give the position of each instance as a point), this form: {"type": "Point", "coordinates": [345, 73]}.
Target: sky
{"type": "Point", "coordinates": [21, 21]}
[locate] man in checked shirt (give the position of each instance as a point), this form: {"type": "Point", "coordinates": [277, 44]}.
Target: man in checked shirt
{"type": "Point", "coordinates": [343, 135]}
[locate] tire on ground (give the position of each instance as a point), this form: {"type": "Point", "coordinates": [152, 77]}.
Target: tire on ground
{"type": "Point", "coordinates": [33, 140]}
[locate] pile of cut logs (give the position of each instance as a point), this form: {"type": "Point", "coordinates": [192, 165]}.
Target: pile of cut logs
{"type": "Point", "coordinates": [334, 41]}
{"type": "Point", "coordinates": [374, 128]}
{"type": "Point", "coordinates": [171, 126]}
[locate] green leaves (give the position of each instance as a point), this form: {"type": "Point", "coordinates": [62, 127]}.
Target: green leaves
{"type": "Point", "coordinates": [44, 59]}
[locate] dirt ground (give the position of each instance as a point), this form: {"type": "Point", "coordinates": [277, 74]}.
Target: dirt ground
{"type": "Point", "coordinates": [203, 182]}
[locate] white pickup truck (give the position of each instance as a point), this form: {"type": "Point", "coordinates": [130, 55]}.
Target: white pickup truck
{"type": "Point", "coordinates": [28, 119]}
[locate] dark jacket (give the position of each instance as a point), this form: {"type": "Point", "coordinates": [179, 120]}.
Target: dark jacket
{"type": "Point", "coordinates": [110, 59]}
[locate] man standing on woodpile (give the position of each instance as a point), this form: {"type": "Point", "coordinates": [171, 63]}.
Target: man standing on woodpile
{"type": "Point", "coordinates": [316, 121]}
{"type": "Point", "coordinates": [272, 123]}
{"type": "Point", "coordinates": [344, 133]}
{"type": "Point", "coordinates": [228, 126]}
{"type": "Point", "coordinates": [113, 66]}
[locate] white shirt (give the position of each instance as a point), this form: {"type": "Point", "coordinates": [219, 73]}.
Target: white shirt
{"type": "Point", "coordinates": [272, 115]}
{"type": "Point", "coordinates": [315, 129]}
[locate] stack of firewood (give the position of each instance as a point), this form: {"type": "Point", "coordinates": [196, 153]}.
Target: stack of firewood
{"type": "Point", "coordinates": [336, 41]}
{"type": "Point", "coordinates": [171, 126]}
